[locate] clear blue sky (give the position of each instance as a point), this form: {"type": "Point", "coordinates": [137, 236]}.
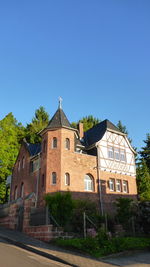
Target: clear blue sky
{"type": "Point", "coordinates": [95, 54]}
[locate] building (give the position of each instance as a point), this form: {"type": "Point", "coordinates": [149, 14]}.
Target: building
{"type": "Point", "coordinates": [98, 165]}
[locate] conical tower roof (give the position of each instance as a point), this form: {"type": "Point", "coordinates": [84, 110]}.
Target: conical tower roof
{"type": "Point", "coordinates": [59, 120]}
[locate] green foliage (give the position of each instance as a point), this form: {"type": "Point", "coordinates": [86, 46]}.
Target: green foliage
{"type": "Point", "coordinates": [144, 216]}
{"type": "Point", "coordinates": [99, 248]}
{"type": "Point", "coordinates": [145, 152]}
{"type": "Point", "coordinates": [123, 129]}
{"type": "Point", "coordinates": [60, 206]}
{"type": "Point", "coordinates": [81, 206]}
{"type": "Point", "coordinates": [125, 210]}
{"type": "Point", "coordinates": [39, 122]}
{"type": "Point", "coordinates": [143, 181]}
{"type": "Point", "coordinates": [88, 122]}
{"type": "Point", "coordinates": [11, 134]}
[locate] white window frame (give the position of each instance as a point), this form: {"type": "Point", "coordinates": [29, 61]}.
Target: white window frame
{"type": "Point", "coordinates": [67, 178]}
{"type": "Point", "coordinates": [110, 152]}
{"type": "Point", "coordinates": [54, 178]}
{"type": "Point", "coordinates": [125, 186]}
{"type": "Point", "coordinates": [117, 153]}
{"type": "Point", "coordinates": [118, 185]}
{"type": "Point", "coordinates": [112, 184]}
{"type": "Point", "coordinates": [122, 155]}
{"type": "Point", "coordinates": [88, 183]}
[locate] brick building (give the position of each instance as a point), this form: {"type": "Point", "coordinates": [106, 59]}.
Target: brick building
{"type": "Point", "coordinates": [98, 164]}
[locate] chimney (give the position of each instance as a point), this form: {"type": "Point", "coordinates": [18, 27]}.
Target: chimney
{"type": "Point", "coordinates": [80, 127]}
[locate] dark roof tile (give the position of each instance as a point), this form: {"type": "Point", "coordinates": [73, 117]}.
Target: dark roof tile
{"type": "Point", "coordinates": [59, 120]}
{"type": "Point", "coordinates": [95, 134]}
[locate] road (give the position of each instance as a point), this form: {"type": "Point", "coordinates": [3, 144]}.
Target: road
{"type": "Point", "coordinates": [12, 256]}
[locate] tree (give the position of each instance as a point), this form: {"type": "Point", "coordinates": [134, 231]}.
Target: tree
{"type": "Point", "coordinates": [11, 134]}
{"type": "Point", "coordinates": [123, 129]}
{"type": "Point", "coordinates": [145, 152]}
{"type": "Point", "coordinates": [143, 180]}
{"type": "Point", "coordinates": [39, 122]}
{"type": "Point", "coordinates": [88, 122]}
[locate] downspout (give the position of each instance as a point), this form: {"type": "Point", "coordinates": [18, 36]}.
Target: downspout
{"type": "Point", "coordinates": [99, 181]}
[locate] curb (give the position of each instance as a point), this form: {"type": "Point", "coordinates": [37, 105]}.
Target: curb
{"type": "Point", "coordinates": [37, 251]}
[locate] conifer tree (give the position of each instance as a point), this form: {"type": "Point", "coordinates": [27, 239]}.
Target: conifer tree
{"type": "Point", "coordinates": [143, 180]}
{"type": "Point", "coordinates": [145, 152]}
{"type": "Point", "coordinates": [88, 122]}
{"type": "Point", "coordinates": [123, 129]}
{"type": "Point", "coordinates": [39, 122]}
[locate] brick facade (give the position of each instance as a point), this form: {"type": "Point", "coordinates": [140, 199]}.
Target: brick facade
{"type": "Point", "coordinates": [61, 160]}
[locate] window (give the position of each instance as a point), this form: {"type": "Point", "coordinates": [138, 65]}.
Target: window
{"type": "Point", "coordinates": [88, 183]}
{"type": "Point", "coordinates": [23, 162]}
{"type": "Point", "coordinates": [125, 186]}
{"type": "Point", "coordinates": [122, 155]}
{"type": "Point", "coordinates": [116, 153]}
{"type": "Point", "coordinates": [19, 165]}
{"type": "Point", "coordinates": [67, 144]}
{"type": "Point", "coordinates": [35, 165]}
{"type": "Point", "coordinates": [118, 185]}
{"type": "Point", "coordinates": [43, 180]}
{"type": "Point", "coordinates": [110, 152]}
{"type": "Point", "coordinates": [15, 193]}
{"type": "Point", "coordinates": [22, 190]}
{"type": "Point", "coordinates": [67, 178]}
{"type": "Point", "coordinates": [112, 184]}
{"type": "Point", "coordinates": [54, 178]}
{"type": "Point", "coordinates": [54, 144]}
{"type": "Point", "coordinates": [44, 146]}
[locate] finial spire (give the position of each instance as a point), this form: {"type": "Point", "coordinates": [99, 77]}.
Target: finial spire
{"type": "Point", "coordinates": [60, 102]}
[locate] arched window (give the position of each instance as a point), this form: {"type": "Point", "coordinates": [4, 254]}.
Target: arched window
{"type": "Point", "coordinates": [19, 165]}
{"type": "Point", "coordinates": [54, 144]}
{"type": "Point", "coordinates": [43, 180]}
{"type": "Point", "coordinates": [23, 162]}
{"type": "Point", "coordinates": [88, 183]}
{"type": "Point", "coordinates": [22, 190]}
{"type": "Point", "coordinates": [15, 193]}
{"type": "Point", "coordinates": [44, 146]}
{"type": "Point", "coordinates": [67, 178]}
{"type": "Point", "coordinates": [54, 178]}
{"type": "Point", "coordinates": [67, 143]}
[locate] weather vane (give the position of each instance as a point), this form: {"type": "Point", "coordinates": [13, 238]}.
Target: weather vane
{"type": "Point", "coordinates": [60, 102]}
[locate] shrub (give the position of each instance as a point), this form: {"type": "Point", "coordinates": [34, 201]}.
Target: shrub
{"type": "Point", "coordinates": [95, 248]}
{"type": "Point", "coordinates": [60, 206]}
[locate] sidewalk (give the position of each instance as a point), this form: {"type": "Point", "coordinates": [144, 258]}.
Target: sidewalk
{"type": "Point", "coordinates": [49, 251]}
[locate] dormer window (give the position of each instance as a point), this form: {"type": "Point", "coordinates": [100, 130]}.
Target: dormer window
{"type": "Point", "coordinates": [67, 143]}
{"type": "Point", "coordinates": [54, 142]}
